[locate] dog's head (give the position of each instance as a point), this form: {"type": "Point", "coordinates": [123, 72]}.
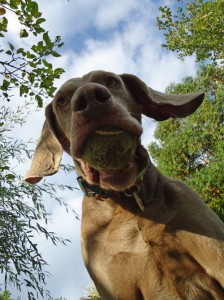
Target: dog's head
{"type": "Point", "coordinates": [97, 120]}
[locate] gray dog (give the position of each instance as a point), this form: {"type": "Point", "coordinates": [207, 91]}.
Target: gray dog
{"type": "Point", "coordinates": [144, 236]}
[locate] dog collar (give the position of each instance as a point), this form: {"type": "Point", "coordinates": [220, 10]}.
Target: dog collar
{"type": "Point", "coordinates": [94, 190]}
{"type": "Point", "coordinates": [99, 193]}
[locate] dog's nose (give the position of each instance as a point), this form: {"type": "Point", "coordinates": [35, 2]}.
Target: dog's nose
{"type": "Point", "coordinates": [91, 98]}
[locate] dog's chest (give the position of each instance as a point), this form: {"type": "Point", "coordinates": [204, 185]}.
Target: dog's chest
{"type": "Point", "coordinates": [111, 232]}
{"type": "Point", "coordinates": [114, 250]}
{"type": "Point", "coordinates": [134, 258]}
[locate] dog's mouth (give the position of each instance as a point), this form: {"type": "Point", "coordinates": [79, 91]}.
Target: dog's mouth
{"type": "Point", "coordinates": [112, 158]}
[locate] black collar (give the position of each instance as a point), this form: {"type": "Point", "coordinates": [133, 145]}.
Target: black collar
{"type": "Point", "coordinates": [99, 193]}
{"type": "Point", "coordinates": [94, 190]}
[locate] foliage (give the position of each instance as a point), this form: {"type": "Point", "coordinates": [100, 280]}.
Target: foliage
{"type": "Point", "coordinates": [22, 212]}
{"type": "Point", "coordinates": [26, 67]}
{"type": "Point", "coordinates": [191, 149]}
{"type": "Point", "coordinates": [196, 27]}
{"type": "Point", "coordinates": [5, 296]}
{"type": "Point", "coordinates": [93, 294]}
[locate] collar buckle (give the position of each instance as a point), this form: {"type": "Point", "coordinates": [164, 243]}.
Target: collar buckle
{"type": "Point", "coordinates": [137, 197]}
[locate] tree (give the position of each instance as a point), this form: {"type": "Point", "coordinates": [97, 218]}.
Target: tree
{"type": "Point", "coordinates": [196, 27]}
{"type": "Point", "coordinates": [27, 68]}
{"type": "Point", "coordinates": [191, 149]}
{"type": "Point", "coordinates": [22, 210]}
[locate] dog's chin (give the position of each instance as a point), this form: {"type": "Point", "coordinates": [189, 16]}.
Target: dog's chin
{"type": "Point", "coordinates": [120, 180]}
{"type": "Point", "coordinates": [117, 180]}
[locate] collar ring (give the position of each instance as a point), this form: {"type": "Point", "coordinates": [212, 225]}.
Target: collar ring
{"type": "Point", "coordinates": [134, 192]}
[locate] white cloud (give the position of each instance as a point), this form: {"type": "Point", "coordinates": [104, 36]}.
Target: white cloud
{"type": "Point", "coordinates": [105, 55]}
{"type": "Point", "coordinates": [135, 50]}
{"type": "Point", "coordinates": [110, 13]}
{"type": "Point", "coordinates": [159, 68]}
{"type": "Point", "coordinates": [70, 17]}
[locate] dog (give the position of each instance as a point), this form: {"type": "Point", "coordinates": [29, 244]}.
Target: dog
{"type": "Point", "coordinates": [144, 236]}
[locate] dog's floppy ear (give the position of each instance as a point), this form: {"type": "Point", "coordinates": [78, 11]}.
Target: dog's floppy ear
{"type": "Point", "coordinates": [47, 156]}
{"type": "Point", "coordinates": [160, 106]}
{"type": "Point", "coordinates": [49, 148]}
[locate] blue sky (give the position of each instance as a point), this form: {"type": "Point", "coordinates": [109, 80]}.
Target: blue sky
{"type": "Point", "coordinates": [118, 36]}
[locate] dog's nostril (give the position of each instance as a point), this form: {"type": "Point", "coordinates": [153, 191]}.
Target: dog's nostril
{"type": "Point", "coordinates": [101, 95]}
{"type": "Point", "coordinates": [80, 104]}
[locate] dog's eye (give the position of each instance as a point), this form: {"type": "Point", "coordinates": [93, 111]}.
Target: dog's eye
{"type": "Point", "coordinates": [61, 102]}
{"type": "Point", "coordinates": [112, 81]}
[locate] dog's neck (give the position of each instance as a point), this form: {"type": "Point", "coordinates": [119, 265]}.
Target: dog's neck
{"type": "Point", "coordinates": [97, 192]}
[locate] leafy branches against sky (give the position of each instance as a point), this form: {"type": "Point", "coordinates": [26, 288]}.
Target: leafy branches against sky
{"type": "Point", "coordinates": [196, 27]}
{"type": "Point", "coordinates": [192, 149]}
{"type": "Point", "coordinates": [24, 66]}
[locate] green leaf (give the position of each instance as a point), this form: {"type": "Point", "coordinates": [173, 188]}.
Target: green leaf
{"type": "Point", "coordinates": [5, 85]}
{"type": "Point", "coordinates": [59, 71]}
{"type": "Point", "coordinates": [31, 77]}
{"type": "Point", "coordinates": [30, 55]}
{"type": "Point", "coordinates": [14, 3]}
{"type": "Point", "coordinates": [23, 33]}
{"type": "Point", "coordinates": [40, 20]}
{"type": "Point", "coordinates": [39, 100]}
{"type": "Point", "coordinates": [11, 46]}
{"type": "Point", "coordinates": [24, 89]}
{"type": "Point", "coordinates": [3, 24]}
{"type": "Point", "coordinates": [32, 64]}
{"type": "Point", "coordinates": [21, 50]}
{"type": "Point", "coordinates": [10, 177]}
{"type": "Point", "coordinates": [47, 64]}
{"type": "Point", "coordinates": [55, 54]}
{"type": "Point", "coordinates": [33, 6]}
{"type": "Point", "coordinates": [46, 38]}
{"type": "Point", "coordinates": [34, 48]}
{"type": "Point", "coordinates": [40, 46]}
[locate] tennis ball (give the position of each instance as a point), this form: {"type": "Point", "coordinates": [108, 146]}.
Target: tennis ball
{"type": "Point", "coordinates": [109, 152]}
